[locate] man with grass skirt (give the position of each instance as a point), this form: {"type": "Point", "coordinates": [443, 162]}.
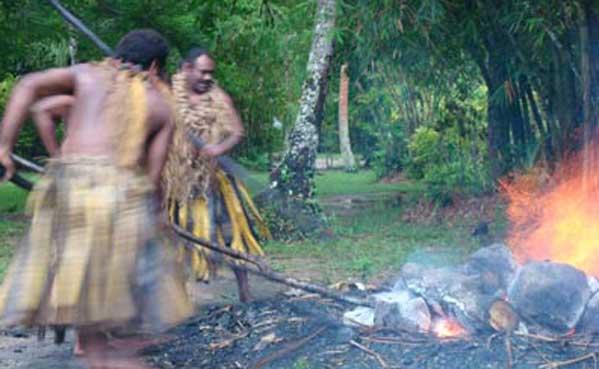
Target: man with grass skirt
{"type": "Point", "coordinates": [201, 196]}
{"type": "Point", "coordinates": [92, 256]}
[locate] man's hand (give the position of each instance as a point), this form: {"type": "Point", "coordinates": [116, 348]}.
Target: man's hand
{"type": "Point", "coordinates": [212, 150]}
{"type": "Point", "coordinates": [8, 164]}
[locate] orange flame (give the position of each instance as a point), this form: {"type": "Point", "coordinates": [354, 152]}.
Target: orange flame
{"type": "Point", "coordinates": [448, 328]}
{"type": "Point", "coordinates": [556, 217]}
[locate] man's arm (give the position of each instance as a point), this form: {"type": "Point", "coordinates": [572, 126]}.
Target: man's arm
{"type": "Point", "coordinates": [158, 151]}
{"type": "Point", "coordinates": [26, 92]}
{"type": "Point", "coordinates": [44, 113]}
{"type": "Point", "coordinates": [233, 139]}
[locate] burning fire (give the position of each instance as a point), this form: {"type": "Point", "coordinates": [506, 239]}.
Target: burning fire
{"type": "Point", "coordinates": [556, 217]}
{"type": "Point", "coordinates": [448, 328]}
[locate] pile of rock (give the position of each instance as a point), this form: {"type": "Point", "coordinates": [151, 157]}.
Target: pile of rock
{"type": "Point", "coordinates": [490, 291]}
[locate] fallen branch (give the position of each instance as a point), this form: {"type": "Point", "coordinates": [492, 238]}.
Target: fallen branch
{"type": "Point", "coordinates": [288, 349]}
{"type": "Point", "coordinates": [263, 269]}
{"type": "Point", "coordinates": [559, 364]}
{"type": "Point", "coordinates": [542, 338]}
{"type": "Point", "coordinates": [228, 342]}
{"type": "Point", "coordinates": [508, 350]}
{"type": "Point", "coordinates": [374, 354]}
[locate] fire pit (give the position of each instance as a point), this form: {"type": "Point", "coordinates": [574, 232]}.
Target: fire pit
{"type": "Point", "coordinates": [306, 333]}
{"type": "Point", "coordinates": [486, 294]}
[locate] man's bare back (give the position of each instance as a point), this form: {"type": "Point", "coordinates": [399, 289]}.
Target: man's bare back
{"type": "Point", "coordinates": [88, 133]}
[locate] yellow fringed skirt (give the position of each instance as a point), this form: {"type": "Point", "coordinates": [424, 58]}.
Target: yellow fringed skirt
{"type": "Point", "coordinates": [92, 256]}
{"type": "Point", "coordinates": [227, 216]}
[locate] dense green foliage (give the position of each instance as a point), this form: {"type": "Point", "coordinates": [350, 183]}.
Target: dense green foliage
{"type": "Point", "coordinates": [455, 93]}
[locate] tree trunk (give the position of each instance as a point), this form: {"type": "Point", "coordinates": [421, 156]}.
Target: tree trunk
{"type": "Point", "coordinates": [344, 142]}
{"type": "Point", "coordinates": [289, 203]}
{"type": "Point", "coordinates": [294, 176]}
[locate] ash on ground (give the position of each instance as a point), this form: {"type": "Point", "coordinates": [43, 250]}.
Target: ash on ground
{"type": "Point", "coordinates": [287, 333]}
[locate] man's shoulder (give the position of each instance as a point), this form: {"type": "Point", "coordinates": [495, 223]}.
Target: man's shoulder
{"type": "Point", "coordinates": [159, 104]}
{"type": "Point", "coordinates": [223, 95]}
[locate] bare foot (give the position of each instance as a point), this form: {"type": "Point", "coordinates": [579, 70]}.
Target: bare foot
{"type": "Point", "coordinates": [78, 349]}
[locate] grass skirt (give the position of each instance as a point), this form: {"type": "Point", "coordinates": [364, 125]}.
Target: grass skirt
{"type": "Point", "coordinates": [92, 255]}
{"type": "Point", "coordinates": [225, 215]}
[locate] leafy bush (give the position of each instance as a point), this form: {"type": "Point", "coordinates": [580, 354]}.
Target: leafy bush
{"type": "Point", "coordinates": [255, 161]}
{"type": "Point", "coordinates": [391, 153]}
{"type": "Point", "coordinates": [447, 163]}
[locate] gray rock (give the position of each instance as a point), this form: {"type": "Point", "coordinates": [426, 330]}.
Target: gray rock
{"type": "Point", "coordinates": [550, 295]}
{"type": "Point", "coordinates": [402, 311]}
{"type": "Point", "coordinates": [589, 323]}
{"type": "Point", "coordinates": [496, 267]}
{"type": "Point", "coordinates": [593, 284]}
{"type": "Point", "coordinates": [344, 335]}
{"type": "Point", "coordinates": [450, 292]}
{"type": "Point", "coordinates": [360, 316]}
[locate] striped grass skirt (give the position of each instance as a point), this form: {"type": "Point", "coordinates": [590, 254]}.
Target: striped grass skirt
{"type": "Point", "coordinates": [92, 255]}
{"type": "Point", "coordinates": [226, 216]}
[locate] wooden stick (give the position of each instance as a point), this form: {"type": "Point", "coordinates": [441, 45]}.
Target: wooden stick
{"type": "Point", "coordinates": [542, 338]}
{"type": "Point", "coordinates": [258, 262]}
{"type": "Point", "coordinates": [29, 165]}
{"type": "Point", "coordinates": [559, 364]}
{"type": "Point", "coordinates": [19, 180]}
{"type": "Point", "coordinates": [374, 354]}
{"type": "Point", "coordinates": [288, 349]}
{"type": "Point", "coordinates": [508, 350]}
{"type": "Point", "coordinates": [263, 269]}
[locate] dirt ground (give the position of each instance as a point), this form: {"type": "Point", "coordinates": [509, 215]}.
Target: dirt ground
{"type": "Point", "coordinates": [20, 349]}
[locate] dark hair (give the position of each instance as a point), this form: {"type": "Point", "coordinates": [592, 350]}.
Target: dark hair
{"type": "Point", "coordinates": [142, 47]}
{"type": "Point", "coordinates": [193, 54]}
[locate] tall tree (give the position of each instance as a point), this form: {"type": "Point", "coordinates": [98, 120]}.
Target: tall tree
{"type": "Point", "coordinates": [294, 176]}
{"type": "Point", "coordinates": [344, 142]}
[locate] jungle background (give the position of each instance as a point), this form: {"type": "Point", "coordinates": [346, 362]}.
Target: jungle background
{"type": "Point", "coordinates": [444, 98]}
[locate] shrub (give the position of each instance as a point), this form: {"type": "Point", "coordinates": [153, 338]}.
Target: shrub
{"type": "Point", "coordinates": [447, 163]}
{"type": "Point", "coordinates": [391, 152]}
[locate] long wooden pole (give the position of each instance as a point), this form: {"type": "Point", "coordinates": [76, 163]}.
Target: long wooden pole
{"type": "Point", "coordinates": [262, 269]}
{"type": "Point", "coordinates": [19, 180]}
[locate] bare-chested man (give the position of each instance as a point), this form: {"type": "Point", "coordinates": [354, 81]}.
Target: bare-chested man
{"type": "Point", "coordinates": [201, 197]}
{"type": "Point", "coordinates": [91, 258]}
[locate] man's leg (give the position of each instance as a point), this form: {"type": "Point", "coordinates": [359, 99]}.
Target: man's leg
{"type": "Point", "coordinates": [99, 354]}
{"type": "Point", "coordinates": [94, 345]}
{"type": "Point", "coordinates": [78, 349]}
{"type": "Point", "coordinates": [243, 285]}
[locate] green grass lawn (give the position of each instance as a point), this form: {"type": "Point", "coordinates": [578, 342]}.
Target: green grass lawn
{"type": "Point", "coordinates": [372, 245]}
{"type": "Point", "coordinates": [12, 199]}
{"type": "Point", "coordinates": [337, 182]}
{"type": "Point", "coordinates": [12, 223]}
{"type": "Point", "coordinates": [10, 232]}
{"type": "Point", "coordinates": [368, 244]}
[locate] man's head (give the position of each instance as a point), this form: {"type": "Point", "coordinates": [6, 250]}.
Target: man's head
{"type": "Point", "coordinates": [144, 47]}
{"type": "Point", "coordinates": [198, 68]}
